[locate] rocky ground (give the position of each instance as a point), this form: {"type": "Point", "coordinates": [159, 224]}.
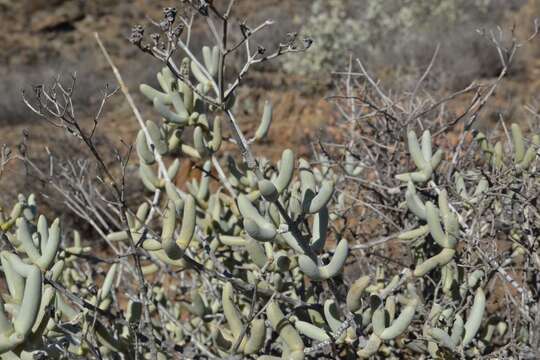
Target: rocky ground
{"type": "Point", "coordinates": [44, 39]}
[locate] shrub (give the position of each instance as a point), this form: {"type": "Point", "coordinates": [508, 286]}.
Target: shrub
{"type": "Point", "coordinates": [248, 259]}
{"type": "Point", "coordinates": [401, 36]}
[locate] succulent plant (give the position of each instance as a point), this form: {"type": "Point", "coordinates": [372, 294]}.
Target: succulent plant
{"type": "Point", "coordinates": [426, 162]}
{"type": "Point", "coordinates": [248, 259]}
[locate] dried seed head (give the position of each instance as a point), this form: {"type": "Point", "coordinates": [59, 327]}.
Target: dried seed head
{"type": "Point", "coordinates": [246, 31]}
{"type": "Point", "coordinates": [203, 8]}
{"type": "Point", "coordinates": [170, 14]}
{"type": "Point", "coordinates": [137, 35]}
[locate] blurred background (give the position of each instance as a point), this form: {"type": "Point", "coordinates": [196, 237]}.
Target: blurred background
{"type": "Point", "coordinates": [395, 39]}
